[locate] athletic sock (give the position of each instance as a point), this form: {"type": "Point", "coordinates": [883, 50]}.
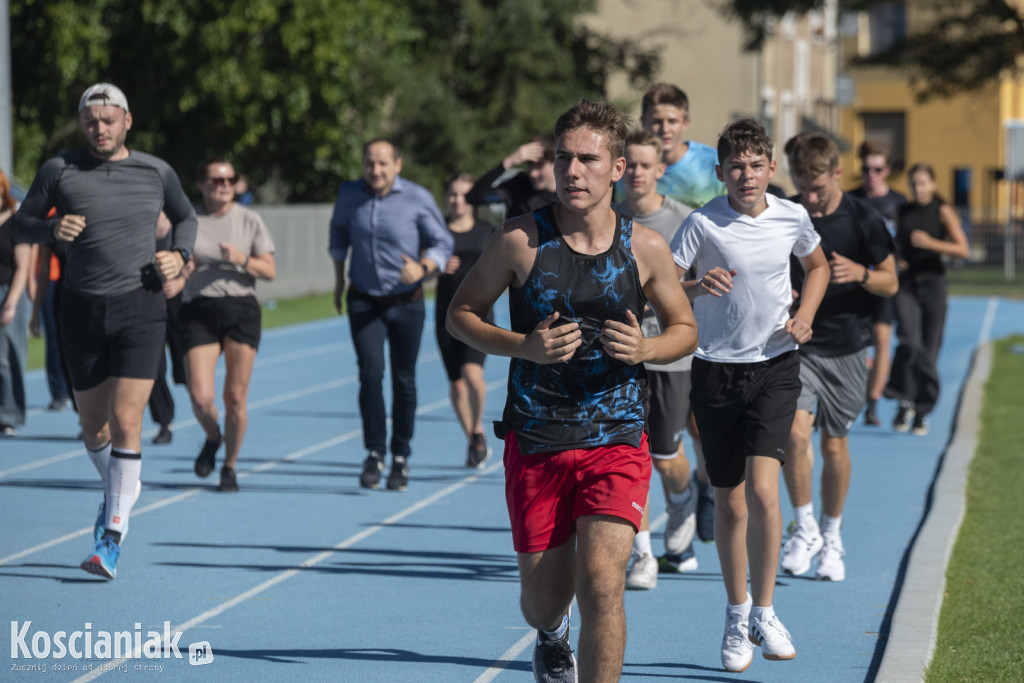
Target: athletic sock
{"type": "Point", "coordinates": [805, 518]}
{"type": "Point", "coordinates": [100, 459]}
{"type": "Point", "coordinates": [762, 613]}
{"type": "Point", "coordinates": [559, 632]}
{"type": "Point", "coordinates": [742, 609]}
{"type": "Point", "coordinates": [642, 543]}
{"type": "Point", "coordinates": [830, 525]}
{"type": "Point", "coordinates": [123, 477]}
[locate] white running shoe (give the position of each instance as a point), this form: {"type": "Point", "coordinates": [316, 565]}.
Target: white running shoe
{"type": "Point", "coordinates": [680, 528]}
{"type": "Point", "coordinates": [775, 641]}
{"type": "Point", "coordinates": [737, 650]}
{"type": "Point", "coordinates": [830, 563]}
{"type": "Point", "coordinates": [643, 574]}
{"type": "Point", "coordinates": [799, 550]}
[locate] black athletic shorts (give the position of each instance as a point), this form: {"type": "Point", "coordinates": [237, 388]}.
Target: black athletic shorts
{"type": "Point", "coordinates": [116, 336]}
{"type": "Point", "coordinates": [882, 310]}
{"type": "Point", "coordinates": [743, 409]}
{"type": "Point", "coordinates": [208, 320]}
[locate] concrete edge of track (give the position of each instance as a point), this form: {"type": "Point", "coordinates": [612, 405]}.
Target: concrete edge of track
{"type": "Point", "coordinates": [915, 619]}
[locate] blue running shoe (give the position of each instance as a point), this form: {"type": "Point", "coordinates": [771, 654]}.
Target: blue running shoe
{"type": "Point", "coordinates": [103, 560]}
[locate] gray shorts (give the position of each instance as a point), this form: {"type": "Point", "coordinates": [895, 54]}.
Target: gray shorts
{"type": "Point", "coordinates": [668, 412]}
{"type": "Point", "coordinates": [834, 389]}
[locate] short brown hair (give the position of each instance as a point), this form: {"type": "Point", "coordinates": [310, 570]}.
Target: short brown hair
{"type": "Point", "coordinates": [870, 148]}
{"type": "Point", "coordinates": [645, 139]}
{"type": "Point", "coordinates": [811, 153]}
{"type": "Point", "coordinates": [394, 146]}
{"type": "Point", "coordinates": [547, 141]}
{"type": "Point", "coordinates": [665, 93]}
{"type": "Point", "coordinates": [600, 117]}
{"type": "Point", "coordinates": [745, 135]}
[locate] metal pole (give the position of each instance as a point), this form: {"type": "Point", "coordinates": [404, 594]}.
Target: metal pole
{"type": "Point", "coordinates": [6, 108]}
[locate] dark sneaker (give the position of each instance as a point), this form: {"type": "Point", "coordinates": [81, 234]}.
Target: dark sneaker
{"type": "Point", "coordinates": [163, 436]}
{"type": "Point", "coordinates": [373, 466]}
{"type": "Point", "coordinates": [57, 405]}
{"type": "Point", "coordinates": [207, 458]}
{"type": "Point", "coordinates": [478, 451]}
{"type": "Point", "coordinates": [103, 560]}
{"type": "Point", "coordinates": [705, 511]}
{"type": "Point", "coordinates": [228, 481]}
{"type": "Point", "coordinates": [871, 416]}
{"type": "Point", "coordinates": [398, 480]}
{"type": "Point", "coordinates": [920, 427]}
{"type": "Point", "coordinates": [685, 561]}
{"type": "Point", "coordinates": [904, 416]}
{"type": "Point", "coordinates": [553, 661]}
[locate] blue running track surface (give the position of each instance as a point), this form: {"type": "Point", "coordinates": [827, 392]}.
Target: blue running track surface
{"type": "Point", "coordinates": [304, 576]}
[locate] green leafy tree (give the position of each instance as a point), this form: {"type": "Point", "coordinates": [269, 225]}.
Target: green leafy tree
{"type": "Point", "coordinates": [291, 89]}
{"type": "Point", "coordinates": [964, 45]}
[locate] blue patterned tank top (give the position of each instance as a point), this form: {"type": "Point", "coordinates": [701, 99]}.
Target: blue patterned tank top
{"type": "Point", "coordinates": [593, 399]}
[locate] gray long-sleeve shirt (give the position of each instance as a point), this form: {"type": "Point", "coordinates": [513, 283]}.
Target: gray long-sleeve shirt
{"type": "Point", "coordinates": [121, 201]}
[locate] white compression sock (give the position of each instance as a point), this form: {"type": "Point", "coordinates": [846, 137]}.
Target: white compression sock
{"type": "Point", "coordinates": [122, 482]}
{"type": "Point", "coordinates": [559, 632]}
{"type": "Point", "coordinates": [100, 459]}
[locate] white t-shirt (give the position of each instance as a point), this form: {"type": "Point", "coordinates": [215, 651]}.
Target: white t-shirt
{"type": "Point", "coordinates": [747, 325]}
{"type": "Point", "coordinates": [213, 276]}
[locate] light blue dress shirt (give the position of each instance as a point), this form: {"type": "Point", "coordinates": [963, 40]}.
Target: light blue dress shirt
{"type": "Point", "coordinates": [379, 230]}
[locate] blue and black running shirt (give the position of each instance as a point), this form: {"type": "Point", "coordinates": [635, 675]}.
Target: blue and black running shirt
{"type": "Point", "coordinates": [592, 399]}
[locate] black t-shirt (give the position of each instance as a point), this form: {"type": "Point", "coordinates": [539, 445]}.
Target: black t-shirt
{"type": "Point", "coordinates": [843, 323]}
{"type": "Point", "coordinates": [917, 217]}
{"type": "Point", "coordinates": [6, 253]}
{"type": "Point", "coordinates": [888, 205]}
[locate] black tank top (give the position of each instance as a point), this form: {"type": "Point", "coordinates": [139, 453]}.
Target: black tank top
{"type": "Point", "coordinates": [912, 217]}
{"type": "Point", "coordinates": [593, 399]}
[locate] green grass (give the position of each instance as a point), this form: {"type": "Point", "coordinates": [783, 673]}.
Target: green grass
{"type": "Point", "coordinates": [980, 627]}
{"type": "Point", "coordinates": [985, 281]}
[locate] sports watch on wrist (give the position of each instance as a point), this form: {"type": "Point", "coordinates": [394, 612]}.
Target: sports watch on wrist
{"type": "Point", "coordinates": [186, 255]}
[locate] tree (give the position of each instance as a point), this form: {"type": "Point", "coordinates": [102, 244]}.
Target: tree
{"type": "Point", "coordinates": [290, 89]}
{"type": "Point", "coordinates": [964, 45]}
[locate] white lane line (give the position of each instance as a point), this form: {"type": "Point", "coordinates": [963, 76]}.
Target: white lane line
{"type": "Point", "coordinates": [263, 467]}
{"type": "Point", "coordinates": [507, 657]}
{"type": "Point", "coordinates": [289, 573]}
{"type": "Point", "coordinates": [988, 321]}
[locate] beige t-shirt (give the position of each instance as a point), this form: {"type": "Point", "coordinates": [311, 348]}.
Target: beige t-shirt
{"type": "Point", "coordinates": [214, 276]}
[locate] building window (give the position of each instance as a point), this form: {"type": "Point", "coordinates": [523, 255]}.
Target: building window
{"type": "Point", "coordinates": [890, 129]}
{"type": "Point", "coordinates": [886, 28]}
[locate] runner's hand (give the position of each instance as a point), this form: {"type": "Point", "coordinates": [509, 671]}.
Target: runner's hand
{"type": "Point", "coordinates": [547, 344]}
{"type": "Point", "coordinates": [69, 227]}
{"type": "Point", "coordinates": [169, 263]}
{"type": "Point", "coordinates": [624, 341]}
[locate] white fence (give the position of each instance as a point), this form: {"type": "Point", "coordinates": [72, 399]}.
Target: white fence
{"type": "Point", "coordinates": [300, 234]}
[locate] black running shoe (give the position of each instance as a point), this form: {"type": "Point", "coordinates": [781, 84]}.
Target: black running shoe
{"type": "Point", "coordinates": [207, 458]}
{"type": "Point", "coordinates": [373, 466]}
{"type": "Point", "coordinates": [553, 661]}
{"type": "Point", "coordinates": [228, 480]}
{"type": "Point", "coordinates": [478, 452]}
{"type": "Point", "coordinates": [871, 416]}
{"type": "Point", "coordinates": [398, 480]}
{"type": "Point", "coordinates": [163, 436]}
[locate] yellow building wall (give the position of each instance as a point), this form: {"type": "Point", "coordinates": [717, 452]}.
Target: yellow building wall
{"type": "Point", "coordinates": [961, 132]}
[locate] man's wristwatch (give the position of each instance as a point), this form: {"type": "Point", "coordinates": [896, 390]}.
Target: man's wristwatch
{"type": "Point", "coordinates": [864, 280]}
{"type": "Point", "coordinates": [186, 255]}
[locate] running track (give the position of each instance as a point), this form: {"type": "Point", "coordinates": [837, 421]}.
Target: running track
{"type": "Point", "coordinates": [305, 576]}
